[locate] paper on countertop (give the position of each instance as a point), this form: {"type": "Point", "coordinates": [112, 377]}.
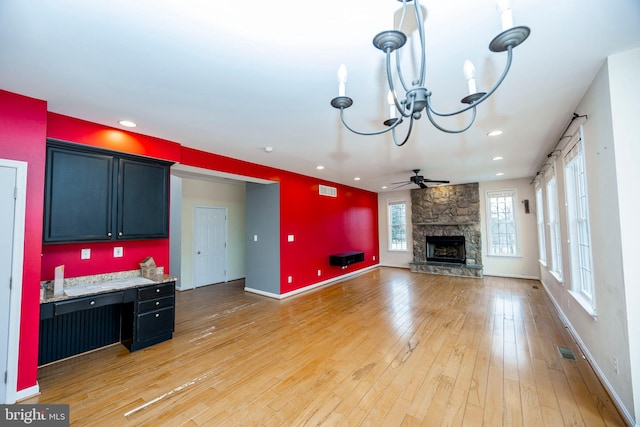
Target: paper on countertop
{"type": "Point", "coordinates": [58, 280]}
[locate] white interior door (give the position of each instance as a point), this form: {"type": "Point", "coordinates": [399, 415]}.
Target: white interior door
{"type": "Point", "coordinates": [210, 246]}
{"type": "Point", "coordinates": [13, 177]}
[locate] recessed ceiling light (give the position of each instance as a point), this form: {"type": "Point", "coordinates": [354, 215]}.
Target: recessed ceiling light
{"type": "Point", "coordinates": [495, 133]}
{"type": "Point", "coordinates": [497, 158]}
{"type": "Point", "coordinates": [500, 174]}
{"type": "Point", "coordinates": [357, 178]}
{"type": "Point", "coordinates": [384, 187]}
{"type": "Point", "coordinates": [127, 123]}
{"type": "Point", "coordinates": [268, 149]}
{"type": "Point", "coordinates": [319, 167]}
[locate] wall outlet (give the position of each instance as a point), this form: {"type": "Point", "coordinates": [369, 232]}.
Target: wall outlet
{"type": "Point", "coordinates": [319, 272]}
{"type": "Point", "coordinates": [290, 238]}
{"type": "Point", "coordinates": [374, 257]}
{"type": "Point", "coordinates": [85, 254]}
{"type": "Point", "coordinates": [117, 252]}
{"type": "Point", "coordinates": [615, 365]}
{"type": "Point", "coordinates": [255, 237]}
{"type": "Point", "coordinates": [290, 279]}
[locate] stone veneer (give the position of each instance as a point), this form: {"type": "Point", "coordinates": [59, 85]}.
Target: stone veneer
{"type": "Point", "coordinates": [451, 210]}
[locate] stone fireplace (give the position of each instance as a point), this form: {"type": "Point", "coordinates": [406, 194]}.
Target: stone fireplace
{"type": "Point", "coordinates": [446, 230]}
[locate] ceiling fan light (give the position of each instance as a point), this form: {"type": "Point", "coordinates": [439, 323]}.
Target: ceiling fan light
{"type": "Point", "coordinates": [495, 132]}
{"type": "Point", "coordinates": [127, 123]}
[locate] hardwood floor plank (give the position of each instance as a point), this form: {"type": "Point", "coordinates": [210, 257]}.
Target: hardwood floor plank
{"type": "Point", "coordinates": [384, 348]}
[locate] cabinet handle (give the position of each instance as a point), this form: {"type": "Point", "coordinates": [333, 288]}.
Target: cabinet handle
{"type": "Point", "coordinates": [92, 302]}
{"type": "Point", "coordinates": [120, 233]}
{"type": "Point", "coordinates": [157, 314]}
{"type": "Point", "coordinates": [109, 234]}
{"type": "Point", "coordinates": [157, 302]}
{"type": "Point", "coordinates": [158, 290]}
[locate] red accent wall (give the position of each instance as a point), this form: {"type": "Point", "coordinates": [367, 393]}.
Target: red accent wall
{"type": "Point", "coordinates": [321, 225]}
{"type": "Point", "coordinates": [22, 137]}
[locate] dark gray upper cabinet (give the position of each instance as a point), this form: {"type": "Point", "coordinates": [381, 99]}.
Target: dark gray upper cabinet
{"type": "Point", "coordinates": [99, 195]}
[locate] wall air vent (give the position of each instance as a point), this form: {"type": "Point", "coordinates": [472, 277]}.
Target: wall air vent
{"type": "Point", "coordinates": [325, 190]}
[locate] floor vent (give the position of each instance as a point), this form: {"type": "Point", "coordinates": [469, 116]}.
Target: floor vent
{"type": "Point", "coordinates": [535, 287]}
{"type": "Point", "coordinates": [566, 353]}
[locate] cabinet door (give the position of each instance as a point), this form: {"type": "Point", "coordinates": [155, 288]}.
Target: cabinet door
{"type": "Point", "coordinates": [143, 193]}
{"type": "Point", "coordinates": [78, 196]}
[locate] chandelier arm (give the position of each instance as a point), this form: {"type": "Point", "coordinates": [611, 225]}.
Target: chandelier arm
{"type": "Point", "coordinates": [391, 86]}
{"type": "Point", "coordinates": [420, 24]}
{"type": "Point", "coordinates": [391, 127]}
{"type": "Point", "coordinates": [433, 122]}
{"type": "Point", "coordinates": [481, 99]}
{"type": "Point", "coordinates": [406, 138]}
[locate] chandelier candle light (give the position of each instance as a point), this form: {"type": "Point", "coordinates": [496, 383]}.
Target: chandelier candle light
{"type": "Point", "coordinates": [417, 97]}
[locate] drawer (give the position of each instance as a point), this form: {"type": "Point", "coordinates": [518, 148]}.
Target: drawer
{"type": "Point", "coordinates": [155, 304]}
{"type": "Point", "coordinates": [86, 303]}
{"type": "Point", "coordinates": [154, 323]}
{"type": "Point", "coordinates": [156, 291]}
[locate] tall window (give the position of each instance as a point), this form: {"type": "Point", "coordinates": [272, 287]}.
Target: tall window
{"type": "Point", "coordinates": [397, 225]}
{"type": "Point", "coordinates": [542, 243]}
{"type": "Point", "coordinates": [554, 225]}
{"type": "Point", "coordinates": [578, 223]}
{"type": "Point", "coordinates": [501, 223]}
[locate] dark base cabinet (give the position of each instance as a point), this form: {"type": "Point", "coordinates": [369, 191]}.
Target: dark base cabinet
{"type": "Point", "coordinates": [152, 319]}
{"type": "Point", "coordinates": [136, 317]}
{"type": "Point", "coordinates": [346, 258]}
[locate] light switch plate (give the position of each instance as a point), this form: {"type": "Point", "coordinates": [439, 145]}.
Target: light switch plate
{"type": "Point", "coordinates": [117, 252]}
{"type": "Point", "coordinates": [290, 238]}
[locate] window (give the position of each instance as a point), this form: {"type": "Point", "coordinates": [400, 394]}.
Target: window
{"type": "Point", "coordinates": [542, 243]}
{"type": "Point", "coordinates": [554, 225]}
{"type": "Point", "coordinates": [501, 223]}
{"type": "Point", "coordinates": [397, 225]}
{"type": "Point", "coordinates": [578, 224]}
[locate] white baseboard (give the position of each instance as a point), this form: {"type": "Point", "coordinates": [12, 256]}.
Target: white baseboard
{"type": "Point", "coordinates": [310, 287]}
{"type": "Point", "coordinates": [512, 276]}
{"type": "Point", "coordinates": [587, 354]}
{"type": "Point", "coordinates": [28, 392]}
{"type": "Point", "coordinates": [406, 267]}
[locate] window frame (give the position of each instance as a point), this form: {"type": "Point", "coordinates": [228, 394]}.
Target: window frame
{"type": "Point", "coordinates": [553, 224]}
{"type": "Point", "coordinates": [542, 238]}
{"type": "Point", "coordinates": [391, 225]}
{"type": "Point", "coordinates": [513, 195]}
{"type": "Point", "coordinates": [578, 224]}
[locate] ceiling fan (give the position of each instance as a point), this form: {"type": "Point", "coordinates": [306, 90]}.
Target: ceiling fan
{"type": "Point", "coordinates": [419, 180]}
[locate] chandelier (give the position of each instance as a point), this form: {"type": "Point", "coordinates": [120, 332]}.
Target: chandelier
{"type": "Point", "coordinates": [417, 98]}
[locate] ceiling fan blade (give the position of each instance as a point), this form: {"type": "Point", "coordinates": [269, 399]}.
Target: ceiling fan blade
{"type": "Point", "coordinates": [422, 185]}
{"type": "Point", "coordinates": [436, 181]}
{"type": "Point", "coordinates": [403, 184]}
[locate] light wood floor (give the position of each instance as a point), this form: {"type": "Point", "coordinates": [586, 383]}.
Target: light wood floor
{"type": "Point", "coordinates": [385, 348]}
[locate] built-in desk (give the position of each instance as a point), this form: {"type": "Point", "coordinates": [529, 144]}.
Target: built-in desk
{"type": "Point", "coordinates": [136, 312]}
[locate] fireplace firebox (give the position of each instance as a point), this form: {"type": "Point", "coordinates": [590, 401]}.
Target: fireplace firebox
{"type": "Point", "coordinates": [446, 249]}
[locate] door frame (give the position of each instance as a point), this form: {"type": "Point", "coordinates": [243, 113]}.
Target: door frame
{"type": "Point", "coordinates": [11, 387]}
{"type": "Point", "coordinates": [226, 235]}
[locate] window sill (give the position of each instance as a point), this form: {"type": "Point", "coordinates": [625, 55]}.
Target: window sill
{"type": "Point", "coordinates": [542, 263]}
{"type": "Point", "coordinates": [397, 250]}
{"type": "Point", "coordinates": [585, 304]}
{"type": "Point", "coordinates": [557, 276]}
{"type": "Point", "coordinates": [505, 256]}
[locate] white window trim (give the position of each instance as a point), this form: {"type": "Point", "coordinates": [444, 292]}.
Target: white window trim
{"type": "Point", "coordinates": [389, 234]}
{"type": "Point", "coordinates": [572, 149]}
{"type": "Point", "coordinates": [514, 193]}
{"type": "Point", "coordinates": [541, 227]}
{"type": "Point", "coordinates": [556, 261]}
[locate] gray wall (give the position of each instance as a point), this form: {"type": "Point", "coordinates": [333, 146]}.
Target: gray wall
{"type": "Point", "coordinates": [175, 227]}
{"type": "Point", "coordinates": [262, 268]}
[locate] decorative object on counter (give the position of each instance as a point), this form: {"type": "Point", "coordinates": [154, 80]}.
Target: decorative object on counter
{"type": "Point", "coordinates": [149, 269]}
{"type": "Point", "coordinates": [58, 280]}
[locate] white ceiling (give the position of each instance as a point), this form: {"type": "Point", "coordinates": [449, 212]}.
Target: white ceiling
{"type": "Point", "coordinates": [234, 77]}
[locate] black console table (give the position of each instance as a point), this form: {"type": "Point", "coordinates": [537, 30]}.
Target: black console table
{"type": "Point", "coordinates": [344, 259]}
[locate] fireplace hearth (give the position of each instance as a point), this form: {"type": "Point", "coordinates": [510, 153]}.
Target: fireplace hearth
{"type": "Point", "coordinates": [446, 249]}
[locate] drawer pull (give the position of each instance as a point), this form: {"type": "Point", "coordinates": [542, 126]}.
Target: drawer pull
{"type": "Point", "coordinates": [158, 290]}
{"type": "Point", "coordinates": [92, 302]}
{"type": "Point", "coordinates": [157, 314]}
{"type": "Point", "coordinates": [157, 302]}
